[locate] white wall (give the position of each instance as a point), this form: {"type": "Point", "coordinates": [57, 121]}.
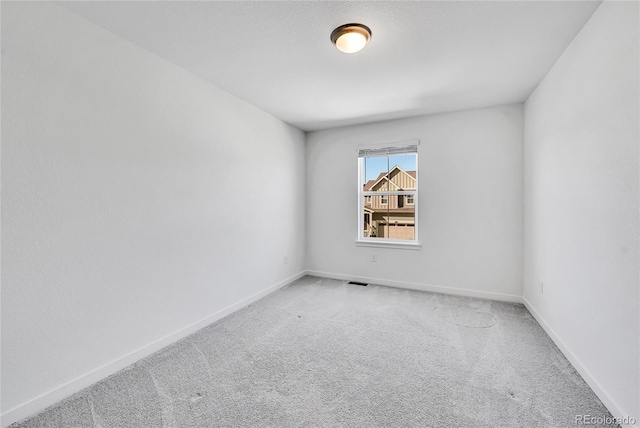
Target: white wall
{"type": "Point", "coordinates": [581, 204]}
{"type": "Point", "coordinates": [135, 196]}
{"type": "Point", "coordinates": [137, 200]}
{"type": "Point", "coordinates": [470, 206]}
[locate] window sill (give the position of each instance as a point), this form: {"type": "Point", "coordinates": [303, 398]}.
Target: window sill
{"type": "Point", "coordinates": [390, 244]}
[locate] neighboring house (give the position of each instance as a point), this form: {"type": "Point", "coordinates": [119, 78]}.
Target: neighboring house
{"type": "Point", "coordinates": [390, 216]}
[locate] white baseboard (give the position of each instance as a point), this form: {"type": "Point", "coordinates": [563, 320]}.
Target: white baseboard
{"type": "Point", "coordinates": [603, 395]}
{"type": "Point", "coordinates": [63, 391]}
{"type": "Point", "coordinates": [420, 287]}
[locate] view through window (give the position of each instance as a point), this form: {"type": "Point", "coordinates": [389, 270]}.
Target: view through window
{"type": "Point", "coordinates": [388, 191]}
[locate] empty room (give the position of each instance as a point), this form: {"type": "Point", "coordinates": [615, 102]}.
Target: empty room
{"type": "Point", "coordinates": [320, 214]}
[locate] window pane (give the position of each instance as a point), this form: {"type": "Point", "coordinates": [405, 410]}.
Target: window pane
{"type": "Point", "coordinates": [406, 162]}
{"type": "Point", "coordinates": [402, 169]}
{"type": "Point", "coordinates": [375, 169]}
{"type": "Point", "coordinates": [367, 216]}
{"type": "Point", "coordinates": [381, 221]}
{"type": "Point", "coordinates": [402, 221]}
{"type": "Point", "coordinates": [389, 216]}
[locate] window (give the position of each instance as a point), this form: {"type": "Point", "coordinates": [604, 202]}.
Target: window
{"type": "Point", "coordinates": [387, 191]}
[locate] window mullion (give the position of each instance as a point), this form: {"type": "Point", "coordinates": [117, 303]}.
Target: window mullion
{"type": "Point", "coordinates": [401, 192]}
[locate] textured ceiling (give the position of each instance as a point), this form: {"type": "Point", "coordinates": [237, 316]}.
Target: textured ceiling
{"type": "Point", "coordinates": [424, 57]}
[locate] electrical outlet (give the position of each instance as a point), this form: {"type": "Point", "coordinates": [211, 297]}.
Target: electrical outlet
{"type": "Point", "coordinates": [286, 260]}
{"type": "Point", "coordinates": [374, 258]}
{"type": "Point", "coordinates": [541, 287]}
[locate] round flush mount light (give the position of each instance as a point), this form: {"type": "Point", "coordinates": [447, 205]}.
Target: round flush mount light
{"type": "Point", "coordinates": [351, 38]}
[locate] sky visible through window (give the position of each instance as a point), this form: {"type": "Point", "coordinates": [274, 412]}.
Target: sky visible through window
{"type": "Point", "coordinates": [375, 165]}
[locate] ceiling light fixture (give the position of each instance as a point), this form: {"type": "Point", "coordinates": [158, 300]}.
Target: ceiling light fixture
{"type": "Point", "coordinates": [351, 38]}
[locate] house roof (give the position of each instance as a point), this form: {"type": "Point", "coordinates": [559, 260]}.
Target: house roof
{"type": "Point", "coordinates": [369, 184]}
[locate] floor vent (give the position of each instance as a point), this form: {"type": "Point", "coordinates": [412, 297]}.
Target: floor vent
{"type": "Point", "coordinates": [358, 283]}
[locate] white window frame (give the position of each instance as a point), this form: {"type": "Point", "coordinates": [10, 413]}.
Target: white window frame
{"type": "Point", "coordinates": [393, 148]}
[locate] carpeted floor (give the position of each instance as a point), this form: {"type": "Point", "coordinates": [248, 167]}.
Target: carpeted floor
{"type": "Point", "coordinates": [323, 353]}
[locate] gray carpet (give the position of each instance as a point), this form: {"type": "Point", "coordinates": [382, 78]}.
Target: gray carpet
{"type": "Point", "coordinates": [325, 353]}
